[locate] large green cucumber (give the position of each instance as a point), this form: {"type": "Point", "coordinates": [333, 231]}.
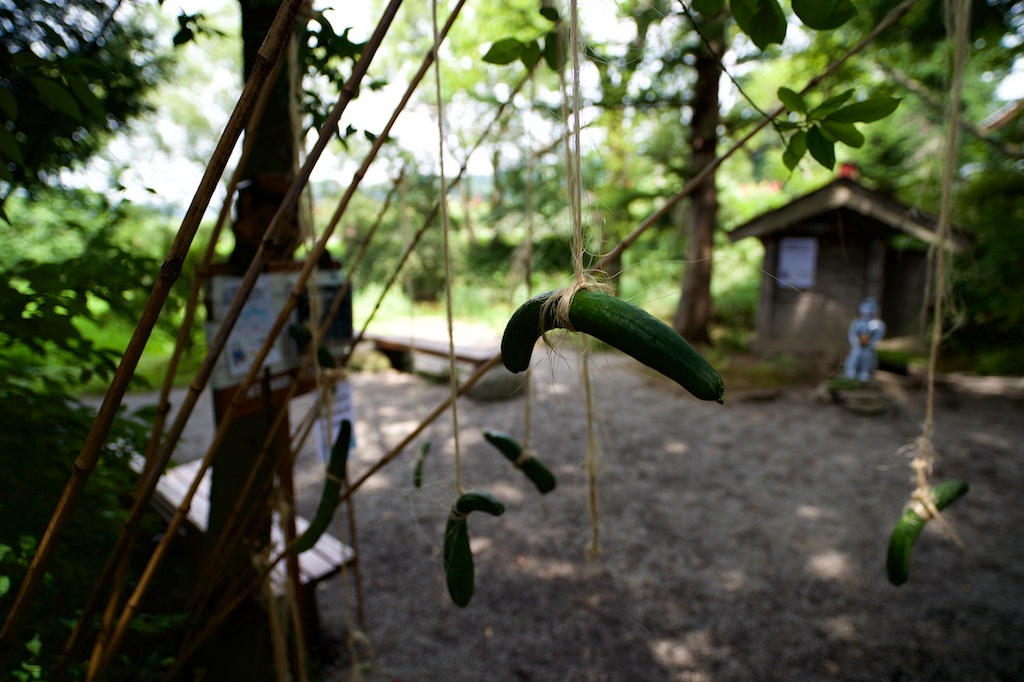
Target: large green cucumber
{"type": "Point", "coordinates": [904, 535]}
{"type": "Point", "coordinates": [332, 490]}
{"type": "Point", "coordinates": [622, 325]}
{"type": "Point", "coordinates": [458, 558]}
{"type": "Point", "coordinates": [532, 467]}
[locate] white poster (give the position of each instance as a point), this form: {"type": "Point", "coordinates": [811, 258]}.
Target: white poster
{"type": "Point", "coordinates": [798, 260]}
{"type": "Point", "coordinates": [341, 408]}
{"type": "Point", "coordinates": [251, 330]}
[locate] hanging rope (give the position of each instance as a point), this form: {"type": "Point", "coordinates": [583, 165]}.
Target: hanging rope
{"type": "Point", "coordinates": [561, 300]}
{"type": "Point", "coordinates": [925, 450]}
{"type": "Point", "coordinates": [531, 228]}
{"type": "Point", "coordinates": [445, 231]}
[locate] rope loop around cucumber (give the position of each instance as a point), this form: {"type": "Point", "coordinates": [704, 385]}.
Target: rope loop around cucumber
{"type": "Point", "coordinates": [560, 300]}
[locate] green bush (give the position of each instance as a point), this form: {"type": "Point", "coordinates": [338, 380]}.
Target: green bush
{"type": "Point", "coordinates": [91, 275]}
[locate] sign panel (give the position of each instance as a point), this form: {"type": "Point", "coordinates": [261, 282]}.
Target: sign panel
{"type": "Point", "coordinates": [798, 261]}
{"type": "Point", "coordinates": [268, 297]}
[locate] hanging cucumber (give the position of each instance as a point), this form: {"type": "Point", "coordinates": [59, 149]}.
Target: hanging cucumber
{"type": "Point", "coordinates": [532, 467]}
{"type": "Point", "coordinates": [332, 490]}
{"type": "Point", "coordinates": [417, 474]}
{"type": "Point", "coordinates": [622, 325]}
{"type": "Point", "coordinates": [458, 558]}
{"type": "Point", "coordinates": [901, 543]}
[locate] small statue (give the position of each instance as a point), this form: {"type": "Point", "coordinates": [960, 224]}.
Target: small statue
{"type": "Point", "coordinates": [865, 333]}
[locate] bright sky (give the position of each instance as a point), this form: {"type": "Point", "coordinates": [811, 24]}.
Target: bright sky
{"type": "Point", "coordinates": [152, 171]}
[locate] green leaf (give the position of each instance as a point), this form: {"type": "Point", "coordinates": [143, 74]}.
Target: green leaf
{"type": "Point", "coordinates": [8, 103]}
{"type": "Point", "coordinates": [183, 36]}
{"type": "Point", "coordinates": [34, 645]}
{"type": "Point", "coordinates": [5, 585]}
{"type": "Point", "coordinates": [866, 111]}
{"type": "Point", "coordinates": [822, 149]}
{"type": "Point", "coordinates": [824, 15]}
{"type": "Point", "coordinates": [84, 95]}
{"type": "Point", "coordinates": [58, 96]}
{"type": "Point", "coordinates": [9, 146]}
{"type": "Point", "coordinates": [549, 13]}
{"type": "Point", "coordinates": [504, 51]}
{"type": "Point", "coordinates": [830, 105]}
{"type": "Point", "coordinates": [555, 50]}
{"type": "Point", "coordinates": [795, 150]}
{"type": "Point", "coordinates": [531, 54]}
{"type": "Point", "coordinates": [762, 20]}
{"type": "Point", "coordinates": [846, 133]}
{"type": "Point", "coordinates": [792, 100]}
{"type": "Point", "coordinates": [708, 7]}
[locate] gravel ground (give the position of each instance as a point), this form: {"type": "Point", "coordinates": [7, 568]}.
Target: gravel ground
{"type": "Point", "coordinates": [738, 542]}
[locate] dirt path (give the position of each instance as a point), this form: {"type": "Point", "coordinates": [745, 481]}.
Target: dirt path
{"type": "Point", "coordinates": [739, 542]}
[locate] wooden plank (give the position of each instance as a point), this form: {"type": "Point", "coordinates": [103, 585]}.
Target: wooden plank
{"type": "Point", "coordinates": [323, 560]}
{"type": "Point", "coordinates": [395, 344]}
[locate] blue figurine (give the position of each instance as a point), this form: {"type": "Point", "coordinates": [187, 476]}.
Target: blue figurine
{"type": "Point", "coordinates": [865, 333]}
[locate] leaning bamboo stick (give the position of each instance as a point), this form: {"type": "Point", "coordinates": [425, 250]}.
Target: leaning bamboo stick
{"type": "Point", "coordinates": [226, 542]}
{"type": "Point", "coordinates": [231, 316]}
{"type": "Point", "coordinates": [163, 402]}
{"type": "Point", "coordinates": [201, 596]}
{"type": "Point", "coordinates": [169, 273]}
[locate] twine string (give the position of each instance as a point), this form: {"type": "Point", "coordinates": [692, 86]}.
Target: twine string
{"type": "Point", "coordinates": [445, 230]}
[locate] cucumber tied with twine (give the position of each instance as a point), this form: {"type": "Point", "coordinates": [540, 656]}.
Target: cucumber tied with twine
{"type": "Point", "coordinates": [910, 525]}
{"type": "Point", "coordinates": [622, 325]}
{"type": "Point", "coordinates": [332, 490]}
{"type": "Point", "coordinates": [458, 558]}
{"type": "Point", "coordinates": [524, 460]}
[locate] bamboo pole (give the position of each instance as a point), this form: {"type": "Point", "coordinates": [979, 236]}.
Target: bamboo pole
{"type": "Point", "coordinates": [163, 402]}
{"type": "Point", "coordinates": [226, 543]}
{"type": "Point", "coordinates": [88, 457]}
{"type": "Point", "coordinates": [231, 316]}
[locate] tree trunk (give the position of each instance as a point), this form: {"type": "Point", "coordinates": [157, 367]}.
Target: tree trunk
{"type": "Point", "coordinates": [245, 636]}
{"type": "Point", "coordinates": [694, 310]}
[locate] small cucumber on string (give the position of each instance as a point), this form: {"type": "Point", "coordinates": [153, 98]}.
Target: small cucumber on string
{"type": "Point", "coordinates": [332, 490]}
{"type": "Point", "coordinates": [417, 474]}
{"type": "Point", "coordinates": [901, 543]}
{"type": "Point", "coordinates": [532, 467]}
{"type": "Point", "coordinates": [458, 558]}
{"type": "Point", "coordinates": [622, 325]}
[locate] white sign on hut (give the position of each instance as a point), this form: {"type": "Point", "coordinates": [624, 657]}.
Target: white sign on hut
{"type": "Point", "coordinates": [827, 251]}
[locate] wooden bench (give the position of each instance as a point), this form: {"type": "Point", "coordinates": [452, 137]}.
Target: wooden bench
{"type": "Point", "coordinates": [318, 563]}
{"type": "Point", "coordinates": [397, 349]}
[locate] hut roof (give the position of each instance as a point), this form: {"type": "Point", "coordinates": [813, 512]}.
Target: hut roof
{"type": "Point", "coordinates": [849, 194]}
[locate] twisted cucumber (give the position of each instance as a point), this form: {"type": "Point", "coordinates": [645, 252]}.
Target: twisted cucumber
{"type": "Point", "coordinates": [904, 535]}
{"type": "Point", "coordinates": [458, 558]}
{"type": "Point", "coordinates": [332, 490]}
{"type": "Point", "coordinates": [532, 467]}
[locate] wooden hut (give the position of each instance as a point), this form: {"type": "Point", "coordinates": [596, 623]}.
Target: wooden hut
{"type": "Point", "coordinates": [824, 253]}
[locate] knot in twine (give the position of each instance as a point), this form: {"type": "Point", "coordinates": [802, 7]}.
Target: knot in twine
{"type": "Point", "coordinates": [525, 456]}
{"type": "Point", "coordinates": [560, 300]}
{"type": "Point", "coordinates": [922, 505]}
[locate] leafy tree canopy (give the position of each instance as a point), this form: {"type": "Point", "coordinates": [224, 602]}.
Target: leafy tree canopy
{"type": "Point", "coordinates": [72, 72]}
